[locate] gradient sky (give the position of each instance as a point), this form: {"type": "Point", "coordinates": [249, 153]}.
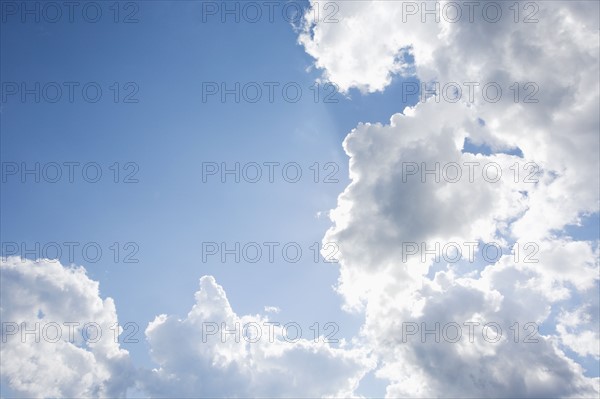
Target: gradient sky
{"type": "Point", "coordinates": [165, 136]}
{"type": "Point", "coordinates": [169, 133]}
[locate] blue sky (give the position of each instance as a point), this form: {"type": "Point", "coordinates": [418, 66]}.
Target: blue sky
{"type": "Point", "coordinates": [166, 134]}
{"type": "Point", "coordinates": [169, 133]}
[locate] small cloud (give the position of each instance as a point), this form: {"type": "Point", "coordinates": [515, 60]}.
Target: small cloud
{"type": "Point", "coordinates": [272, 309]}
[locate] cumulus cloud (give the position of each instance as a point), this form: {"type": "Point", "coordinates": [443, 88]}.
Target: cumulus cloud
{"type": "Point", "coordinates": [272, 309]}
{"type": "Point", "coordinates": [48, 347]}
{"type": "Point", "coordinates": [577, 330]}
{"type": "Point", "coordinates": [524, 362]}
{"type": "Point", "coordinates": [389, 203]}
{"type": "Point", "coordinates": [214, 352]}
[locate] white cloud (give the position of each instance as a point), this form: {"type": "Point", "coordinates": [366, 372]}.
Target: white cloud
{"type": "Point", "coordinates": [272, 309]}
{"type": "Point", "coordinates": [274, 364]}
{"type": "Point", "coordinates": [193, 362]}
{"type": "Point", "coordinates": [578, 331]}
{"type": "Point", "coordinates": [378, 211]}
{"type": "Point", "coordinates": [362, 49]}
{"type": "Point", "coordinates": [44, 292]}
{"type": "Point", "coordinates": [534, 366]}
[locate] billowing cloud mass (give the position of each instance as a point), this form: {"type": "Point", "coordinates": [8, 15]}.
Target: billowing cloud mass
{"type": "Point", "coordinates": [201, 355]}
{"type": "Point", "coordinates": [50, 346]}
{"type": "Point", "coordinates": [391, 204]}
{"type": "Point", "coordinates": [196, 357]}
